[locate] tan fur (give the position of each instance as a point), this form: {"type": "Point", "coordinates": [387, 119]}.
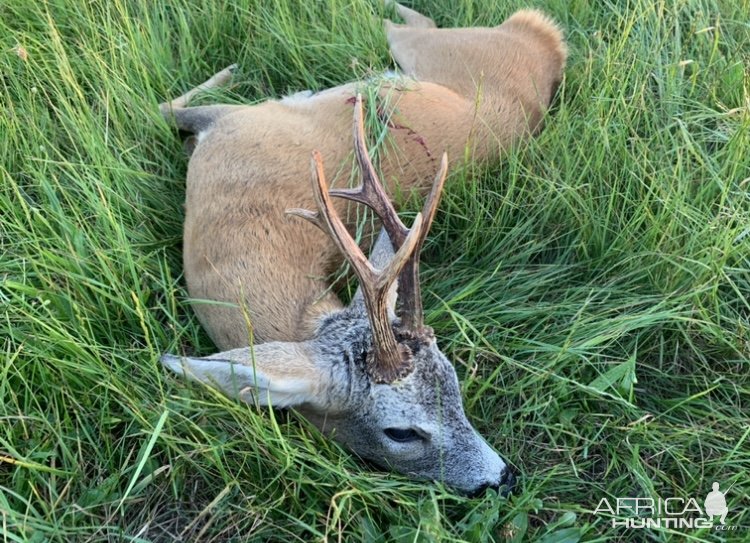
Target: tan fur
{"type": "Point", "coordinates": [484, 88]}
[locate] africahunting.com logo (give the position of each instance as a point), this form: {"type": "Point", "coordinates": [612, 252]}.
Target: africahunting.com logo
{"type": "Point", "coordinates": [674, 513]}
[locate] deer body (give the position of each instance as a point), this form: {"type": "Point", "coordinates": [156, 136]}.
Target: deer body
{"type": "Point", "coordinates": [481, 88]}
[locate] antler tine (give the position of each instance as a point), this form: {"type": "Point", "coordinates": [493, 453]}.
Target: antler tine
{"type": "Point", "coordinates": [310, 216]}
{"type": "Point", "coordinates": [408, 287]}
{"type": "Point", "coordinates": [370, 192]}
{"type": "Point", "coordinates": [391, 361]}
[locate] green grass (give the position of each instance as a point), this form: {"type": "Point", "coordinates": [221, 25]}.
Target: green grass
{"type": "Point", "coordinates": [591, 287]}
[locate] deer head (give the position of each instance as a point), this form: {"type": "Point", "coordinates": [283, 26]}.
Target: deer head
{"type": "Point", "coordinates": [373, 380]}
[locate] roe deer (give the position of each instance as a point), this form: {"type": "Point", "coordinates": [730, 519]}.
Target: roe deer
{"type": "Point", "coordinates": [375, 381]}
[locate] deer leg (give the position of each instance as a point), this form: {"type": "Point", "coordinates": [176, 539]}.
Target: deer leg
{"type": "Point", "coordinates": [197, 119]}
{"type": "Point", "coordinates": [411, 17]}
{"type": "Point", "coordinates": [400, 36]}
{"type": "Point", "coordinates": [219, 79]}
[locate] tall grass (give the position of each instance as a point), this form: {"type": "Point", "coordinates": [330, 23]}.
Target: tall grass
{"type": "Point", "coordinates": [591, 287]}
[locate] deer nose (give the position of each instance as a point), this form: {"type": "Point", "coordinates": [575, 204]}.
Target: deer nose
{"type": "Point", "coordinates": [504, 486]}
{"type": "Point", "coordinates": [507, 480]}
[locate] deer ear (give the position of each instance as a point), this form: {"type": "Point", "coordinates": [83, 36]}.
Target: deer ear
{"type": "Point", "coordinates": [276, 374]}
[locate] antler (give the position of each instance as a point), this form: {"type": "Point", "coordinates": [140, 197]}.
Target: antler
{"type": "Point", "coordinates": [390, 360]}
{"type": "Point", "coordinates": [370, 192]}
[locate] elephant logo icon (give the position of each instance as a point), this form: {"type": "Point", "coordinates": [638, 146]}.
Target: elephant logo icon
{"type": "Point", "coordinates": [716, 504]}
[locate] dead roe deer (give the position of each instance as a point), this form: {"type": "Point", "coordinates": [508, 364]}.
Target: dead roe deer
{"type": "Point", "coordinates": [370, 375]}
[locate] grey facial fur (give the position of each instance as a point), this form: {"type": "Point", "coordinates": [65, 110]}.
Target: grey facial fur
{"type": "Point", "coordinates": [427, 401]}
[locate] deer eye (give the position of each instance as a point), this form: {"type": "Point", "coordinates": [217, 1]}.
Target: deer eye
{"type": "Point", "coordinates": [402, 435]}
